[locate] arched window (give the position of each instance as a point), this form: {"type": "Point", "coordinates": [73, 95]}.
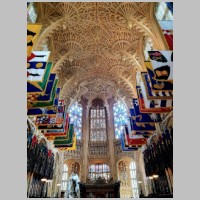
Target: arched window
{"type": "Point", "coordinates": [98, 121]}
{"type": "Point", "coordinates": [164, 17]}
{"type": "Point", "coordinates": [133, 177]}
{"type": "Point", "coordinates": [99, 170]}
{"type": "Point", "coordinates": [120, 118]}
{"type": "Point", "coordinates": [162, 12]}
{"type": "Point", "coordinates": [64, 178]}
{"type": "Point", "coordinates": [32, 13]}
{"type": "Point", "coordinates": [75, 114]}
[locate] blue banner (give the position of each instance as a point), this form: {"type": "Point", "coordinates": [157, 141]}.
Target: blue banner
{"type": "Point", "coordinates": [143, 117]}
{"type": "Point", "coordinates": [158, 85]}
{"type": "Point", "coordinates": [152, 94]}
{"type": "Point", "coordinates": [141, 127]}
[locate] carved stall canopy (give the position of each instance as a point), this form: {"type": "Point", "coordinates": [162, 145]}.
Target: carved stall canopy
{"type": "Point", "coordinates": [96, 46]}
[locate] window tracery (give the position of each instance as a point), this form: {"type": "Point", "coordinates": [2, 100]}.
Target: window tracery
{"type": "Point", "coordinates": [64, 178]}
{"type": "Point", "coordinates": [133, 177]}
{"type": "Point", "coordinates": [98, 130]}
{"type": "Point", "coordinates": [162, 12]}
{"type": "Point", "coordinates": [120, 118]}
{"type": "Point", "coordinates": [99, 170]}
{"type": "Point", "coordinates": [32, 13]}
{"type": "Point", "coordinates": [75, 114]}
{"type": "Point", "coordinates": [164, 16]}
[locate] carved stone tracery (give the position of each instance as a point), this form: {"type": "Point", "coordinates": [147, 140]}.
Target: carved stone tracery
{"type": "Point", "coordinates": [91, 39]}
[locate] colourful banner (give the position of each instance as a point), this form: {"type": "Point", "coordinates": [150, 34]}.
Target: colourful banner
{"type": "Point", "coordinates": [46, 110]}
{"type": "Point", "coordinates": [135, 139]}
{"type": "Point", "coordinates": [157, 85]}
{"type": "Point", "coordinates": [162, 65]}
{"type": "Point", "coordinates": [70, 148]}
{"type": "Point", "coordinates": [34, 89]}
{"type": "Point", "coordinates": [46, 96]}
{"type": "Point", "coordinates": [153, 106]}
{"type": "Point", "coordinates": [65, 141]}
{"type": "Point", "coordinates": [145, 134]}
{"type": "Point", "coordinates": [36, 71]}
{"type": "Point", "coordinates": [33, 30]}
{"type": "Point", "coordinates": [143, 117]}
{"type": "Point", "coordinates": [50, 120]}
{"type": "Point", "coordinates": [39, 56]}
{"type": "Point", "coordinates": [56, 119]}
{"type": "Point", "coordinates": [48, 100]}
{"type": "Point", "coordinates": [141, 127]}
{"type": "Point", "coordinates": [42, 111]}
{"type": "Point", "coordinates": [126, 147]}
{"type": "Point", "coordinates": [153, 94]}
{"type": "Point", "coordinates": [57, 97]}
{"type": "Point", "coordinates": [51, 134]}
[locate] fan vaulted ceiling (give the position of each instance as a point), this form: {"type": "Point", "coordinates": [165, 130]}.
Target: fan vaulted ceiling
{"type": "Point", "coordinates": [96, 46]}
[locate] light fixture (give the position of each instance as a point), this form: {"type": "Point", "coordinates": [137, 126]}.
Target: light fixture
{"type": "Point", "coordinates": [43, 179]}
{"type": "Point", "coordinates": [150, 177]}
{"type": "Point", "coordinates": [139, 181]}
{"type": "Point", "coordinates": [155, 176]}
{"type": "Point", "coordinates": [58, 184]}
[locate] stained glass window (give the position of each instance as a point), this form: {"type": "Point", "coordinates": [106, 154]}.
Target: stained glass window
{"type": "Point", "coordinates": [133, 177]}
{"type": "Point", "coordinates": [32, 13]}
{"type": "Point", "coordinates": [120, 118]}
{"type": "Point", "coordinates": [64, 178]}
{"type": "Point", "coordinates": [98, 123]}
{"type": "Point", "coordinates": [164, 16]}
{"type": "Point", "coordinates": [99, 170]}
{"type": "Point", "coordinates": [75, 114]}
{"type": "Point", "coordinates": [162, 12]}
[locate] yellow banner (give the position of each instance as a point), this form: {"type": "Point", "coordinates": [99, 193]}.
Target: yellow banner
{"type": "Point", "coordinates": [33, 30]}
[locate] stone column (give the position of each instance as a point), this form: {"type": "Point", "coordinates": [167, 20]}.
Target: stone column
{"type": "Point", "coordinates": [111, 138]}
{"type": "Point", "coordinates": [142, 174]}
{"type": "Point", "coordinates": [85, 139]}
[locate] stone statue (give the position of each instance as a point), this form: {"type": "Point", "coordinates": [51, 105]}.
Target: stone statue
{"type": "Point", "coordinates": [73, 190]}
